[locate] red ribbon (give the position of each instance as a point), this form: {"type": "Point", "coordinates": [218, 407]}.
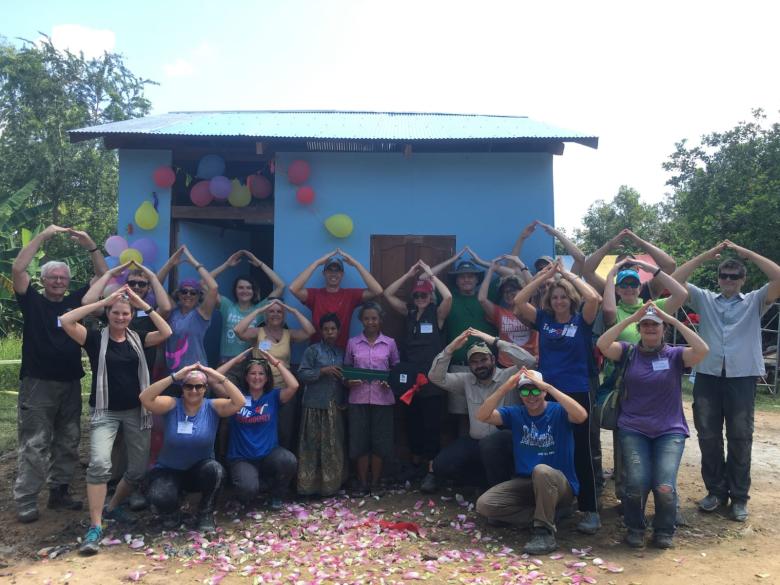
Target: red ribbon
{"type": "Point", "coordinates": [407, 396]}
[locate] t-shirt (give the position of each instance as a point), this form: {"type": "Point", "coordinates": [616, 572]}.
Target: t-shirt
{"type": "Point", "coordinates": [48, 353]}
{"type": "Point", "coordinates": [652, 404]}
{"type": "Point", "coordinates": [513, 330]}
{"type": "Point", "coordinates": [466, 312]}
{"type": "Point", "coordinates": [188, 439]}
{"type": "Point", "coordinates": [278, 349]}
{"type": "Point", "coordinates": [185, 346]}
{"type": "Point", "coordinates": [253, 429]}
{"type": "Point", "coordinates": [565, 351]}
{"type": "Point", "coordinates": [543, 439]}
{"type": "Point", "coordinates": [121, 371]}
{"type": "Point", "coordinates": [342, 302]}
{"type": "Point", "coordinates": [230, 344]}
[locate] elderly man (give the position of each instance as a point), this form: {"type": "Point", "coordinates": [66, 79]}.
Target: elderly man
{"type": "Point", "coordinates": [50, 387]}
{"type": "Point", "coordinates": [484, 455]}
{"type": "Point", "coordinates": [332, 298]}
{"type": "Point", "coordinates": [725, 387]}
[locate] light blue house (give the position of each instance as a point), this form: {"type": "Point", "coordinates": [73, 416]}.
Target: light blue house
{"type": "Point", "coordinates": [413, 184]}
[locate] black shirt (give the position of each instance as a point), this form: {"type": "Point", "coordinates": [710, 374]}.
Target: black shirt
{"type": "Point", "coordinates": [121, 371]}
{"type": "Point", "coordinates": [47, 351]}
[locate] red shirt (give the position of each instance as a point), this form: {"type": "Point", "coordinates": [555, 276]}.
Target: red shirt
{"type": "Point", "coordinates": [342, 302]}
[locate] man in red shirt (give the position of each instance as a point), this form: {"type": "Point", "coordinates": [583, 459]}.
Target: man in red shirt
{"type": "Point", "coordinates": [332, 298]}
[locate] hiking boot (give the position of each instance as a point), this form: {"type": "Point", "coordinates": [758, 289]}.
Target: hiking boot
{"type": "Point", "coordinates": [710, 503]}
{"type": "Point", "coordinates": [429, 485]}
{"type": "Point", "coordinates": [542, 542]}
{"type": "Point", "coordinates": [662, 540]}
{"type": "Point", "coordinates": [137, 502]}
{"type": "Point", "coordinates": [27, 514]}
{"type": "Point", "coordinates": [206, 523]}
{"type": "Point", "coordinates": [635, 538]}
{"type": "Point", "coordinates": [739, 511]}
{"type": "Point", "coordinates": [590, 523]}
{"type": "Point", "coordinates": [91, 543]}
{"type": "Point", "coordinates": [59, 499]}
{"type": "Point", "coordinates": [120, 515]}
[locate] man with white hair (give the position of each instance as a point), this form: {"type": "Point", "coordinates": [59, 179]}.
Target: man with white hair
{"type": "Point", "coordinates": [50, 389]}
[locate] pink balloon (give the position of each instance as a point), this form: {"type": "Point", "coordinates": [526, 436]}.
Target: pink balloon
{"type": "Point", "coordinates": [200, 194]}
{"type": "Point", "coordinates": [298, 172]}
{"type": "Point", "coordinates": [220, 187]}
{"type": "Point", "coordinates": [148, 249]}
{"type": "Point", "coordinates": [115, 245]}
{"type": "Point", "coordinates": [259, 186]}
{"type": "Point", "coordinates": [164, 177]}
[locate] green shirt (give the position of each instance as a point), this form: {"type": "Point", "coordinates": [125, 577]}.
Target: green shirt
{"type": "Point", "coordinates": [466, 312]}
{"type": "Point", "coordinates": [630, 334]}
{"type": "Point", "coordinates": [230, 345]}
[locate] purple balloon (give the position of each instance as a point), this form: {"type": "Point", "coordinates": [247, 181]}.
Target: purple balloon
{"type": "Point", "coordinates": [220, 187]}
{"type": "Point", "coordinates": [115, 245]}
{"type": "Point", "coordinates": [148, 249]}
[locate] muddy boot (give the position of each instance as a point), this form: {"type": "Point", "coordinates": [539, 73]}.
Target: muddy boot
{"type": "Point", "coordinates": [59, 499]}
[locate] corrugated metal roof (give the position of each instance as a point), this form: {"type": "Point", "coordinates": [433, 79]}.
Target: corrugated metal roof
{"type": "Point", "coordinates": [335, 125]}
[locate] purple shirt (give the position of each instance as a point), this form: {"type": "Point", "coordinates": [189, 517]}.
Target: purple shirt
{"type": "Point", "coordinates": [653, 404]}
{"type": "Point", "coordinates": [381, 355]}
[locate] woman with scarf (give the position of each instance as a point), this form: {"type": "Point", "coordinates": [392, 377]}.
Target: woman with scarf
{"type": "Point", "coordinates": [119, 373]}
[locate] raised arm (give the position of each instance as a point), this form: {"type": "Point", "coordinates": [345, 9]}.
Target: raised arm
{"type": "Point", "coordinates": [373, 289]}
{"type": "Point", "coordinates": [520, 357]}
{"type": "Point", "coordinates": [523, 307]}
{"type": "Point", "coordinates": [517, 249]}
{"type": "Point", "coordinates": [98, 286]}
{"type": "Point", "coordinates": [163, 331]}
{"type": "Point", "coordinates": [82, 239]}
{"type": "Point", "coordinates": [677, 292]}
{"type": "Point", "coordinates": [21, 279]}
{"type": "Point", "coordinates": [765, 265]}
{"type": "Point", "coordinates": [438, 373]}
{"type": "Point", "coordinates": [443, 310]}
{"type": "Point", "coordinates": [228, 365]}
{"type": "Point", "coordinates": [70, 320]}
{"type": "Point", "coordinates": [608, 342]}
{"type": "Point", "coordinates": [174, 260]}
{"type": "Point", "coordinates": [488, 410]}
{"type": "Point", "coordinates": [150, 397]}
{"type": "Point", "coordinates": [277, 281]}
{"type": "Point", "coordinates": [224, 407]}
{"type": "Point", "coordinates": [609, 304]}
{"type": "Point", "coordinates": [437, 270]}
{"type": "Point", "coordinates": [164, 305]}
{"type": "Point", "coordinates": [521, 269]}
{"type": "Point", "coordinates": [684, 272]}
{"type": "Point", "coordinates": [211, 297]}
{"type": "Point", "coordinates": [697, 348]}
{"type": "Point", "coordinates": [291, 384]}
{"type": "Point", "coordinates": [233, 260]}
{"type": "Point", "coordinates": [482, 294]}
{"type": "Point", "coordinates": [663, 260]}
{"type": "Point", "coordinates": [591, 299]}
{"type": "Point", "coordinates": [592, 262]}
{"type": "Point", "coordinates": [576, 413]}
{"type": "Point", "coordinates": [391, 292]}
{"type": "Point", "coordinates": [243, 329]}
{"type": "Point", "coordinates": [305, 331]}
{"type": "Point", "coordinates": [570, 247]}
{"type": "Point", "coordinates": [298, 285]}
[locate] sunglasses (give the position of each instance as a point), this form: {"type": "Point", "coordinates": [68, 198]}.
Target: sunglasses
{"type": "Point", "coordinates": [195, 387]}
{"type": "Point", "coordinates": [526, 392]}
{"type": "Point", "coordinates": [137, 283]}
{"type": "Point", "coordinates": [729, 276]}
{"type": "Point", "coordinates": [419, 295]}
{"type": "Point", "coordinates": [630, 284]}
{"type": "Point", "coordinates": [189, 292]}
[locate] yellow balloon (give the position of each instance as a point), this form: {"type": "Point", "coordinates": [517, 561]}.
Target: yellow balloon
{"type": "Point", "coordinates": [240, 196]}
{"type": "Point", "coordinates": [146, 216]}
{"type": "Point", "coordinates": [339, 225]}
{"type": "Point", "coordinates": [131, 255]}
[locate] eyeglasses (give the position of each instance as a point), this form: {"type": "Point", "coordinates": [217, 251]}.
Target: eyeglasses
{"type": "Point", "coordinates": [729, 276]}
{"type": "Point", "coordinates": [137, 283]}
{"type": "Point", "coordinates": [57, 277]}
{"type": "Point", "coordinates": [195, 387]}
{"type": "Point", "coordinates": [629, 284]}
{"type": "Point", "coordinates": [526, 392]}
{"type": "Point", "coordinates": [191, 292]}
{"type": "Point", "coordinates": [419, 295]}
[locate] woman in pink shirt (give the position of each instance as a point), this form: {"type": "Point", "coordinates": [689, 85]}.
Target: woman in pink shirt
{"type": "Point", "coordinates": [370, 402]}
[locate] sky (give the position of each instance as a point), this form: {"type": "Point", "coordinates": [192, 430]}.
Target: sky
{"type": "Point", "coordinates": [641, 76]}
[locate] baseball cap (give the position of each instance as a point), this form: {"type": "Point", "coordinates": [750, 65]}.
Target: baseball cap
{"type": "Point", "coordinates": [423, 286]}
{"type": "Point", "coordinates": [544, 261]}
{"type": "Point", "coordinates": [626, 274]}
{"type": "Point", "coordinates": [651, 315]}
{"type": "Point", "coordinates": [334, 261]}
{"type": "Point", "coordinates": [478, 348]}
{"type": "Point", "coordinates": [510, 279]}
{"type": "Point", "coordinates": [466, 267]}
{"type": "Point", "coordinates": [525, 381]}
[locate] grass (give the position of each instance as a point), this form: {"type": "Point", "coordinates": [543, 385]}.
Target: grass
{"type": "Point", "coordinates": [10, 348]}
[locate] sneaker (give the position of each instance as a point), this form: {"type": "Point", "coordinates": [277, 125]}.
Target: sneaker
{"type": "Point", "coordinates": [710, 503]}
{"type": "Point", "coordinates": [276, 504]}
{"type": "Point", "coordinates": [739, 511]}
{"type": "Point", "coordinates": [206, 522]}
{"type": "Point", "coordinates": [120, 514]}
{"type": "Point", "coordinates": [27, 514]}
{"type": "Point", "coordinates": [542, 542]}
{"type": "Point", "coordinates": [59, 499]}
{"type": "Point", "coordinates": [91, 543]}
{"type": "Point", "coordinates": [661, 540]}
{"type": "Point", "coordinates": [137, 502]}
{"type": "Point", "coordinates": [680, 519]}
{"type": "Point", "coordinates": [635, 538]}
{"type": "Point", "coordinates": [429, 485]}
{"type": "Point", "coordinates": [590, 524]}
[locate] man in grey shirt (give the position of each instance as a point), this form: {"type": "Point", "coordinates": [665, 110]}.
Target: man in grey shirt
{"type": "Point", "coordinates": [725, 387]}
{"type": "Point", "coordinates": [485, 456]}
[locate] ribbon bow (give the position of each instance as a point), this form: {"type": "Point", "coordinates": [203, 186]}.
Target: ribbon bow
{"type": "Point", "coordinates": [419, 382]}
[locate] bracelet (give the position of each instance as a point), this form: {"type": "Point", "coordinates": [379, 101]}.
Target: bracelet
{"type": "Point", "coordinates": [149, 310]}
{"type": "Point", "coordinates": [524, 268]}
{"type": "Point", "coordinates": [93, 250]}
{"type": "Point", "coordinates": [173, 379]}
{"type": "Point", "coordinates": [657, 272]}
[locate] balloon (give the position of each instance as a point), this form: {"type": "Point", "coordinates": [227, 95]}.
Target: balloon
{"type": "Point", "coordinates": [259, 186]}
{"type": "Point", "coordinates": [112, 261]}
{"type": "Point", "coordinates": [220, 187]}
{"type": "Point", "coordinates": [298, 172]}
{"type": "Point", "coordinates": [339, 225]}
{"type": "Point", "coordinates": [210, 166]}
{"type": "Point", "coordinates": [146, 216]}
{"type": "Point", "coordinates": [305, 195]}
{"type": "Point", "coordinates": [115, 245]}
{"type": "Point", "coordinates": [164, 177]}
{"type": "Point", "coordinates": [200, 194]}
{"type": "Point", "coordinates": [131, 255]}
{"type": "Point", "coordinates": [240, 195]}
{"type": "Point", "coordinates": [148, 249]}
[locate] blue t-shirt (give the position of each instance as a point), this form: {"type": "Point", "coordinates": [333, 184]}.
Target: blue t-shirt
{"type": "Point", "coordinates": [185, 346]}
{"type": "Point", "coordinates": [546, 439]}
{"type": "Point", "coordinates": [188, 439]}
{"type": "Point", "coordinates": [253, 428]}
{"type": "Point", "coordinates": [565, 351]}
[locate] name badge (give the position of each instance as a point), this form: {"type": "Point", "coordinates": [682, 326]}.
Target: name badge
{"type": "Point", "coordinates": [248, 401]}
{"type": "Point", "coordinates": [140, 313]}
{"type": "Point", "coordinates": [570, 331]}
{"type": "Point", "coordinates": [184, 427]}
{"type": "Point", "coordinates": [59, 323]}
{"type": "Point", "coordinates": [402, 378]}
{"type": "Point", "coordinates": [426, 327]}
{"type": "Point", "coordinates": [265, 345]}
{"type": "Point", "coordinates": [660, 364]}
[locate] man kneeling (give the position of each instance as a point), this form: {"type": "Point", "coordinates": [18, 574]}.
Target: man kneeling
{"type": "Point", "coordinates": [544, 457]}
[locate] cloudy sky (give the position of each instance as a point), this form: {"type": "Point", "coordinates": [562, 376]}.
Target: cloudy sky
{"type": "Point", "coordinates": [641, 76]}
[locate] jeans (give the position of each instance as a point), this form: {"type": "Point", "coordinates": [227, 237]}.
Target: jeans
{"type": "Point", "coordinates": [485, 462]}
{"type": "Point", "coordinates": [715, 400]}
{"type": "Point", "coordinates": [205, 476]}
{"type": "Point", "coordinates": [651, 464]}
{"type": "Point", "coordinates": [102, 433]}
{"type": "Point", "coordinates": [276, 469]}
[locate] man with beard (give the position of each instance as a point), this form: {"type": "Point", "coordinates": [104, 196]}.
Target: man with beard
{"type": "Point", "coordinates": [332, 298]}
{"type": "Point", "coordinates": [485, 455]}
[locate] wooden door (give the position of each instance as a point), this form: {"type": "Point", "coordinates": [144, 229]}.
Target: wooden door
{"type": "Point", "coordinates": [391, 257]}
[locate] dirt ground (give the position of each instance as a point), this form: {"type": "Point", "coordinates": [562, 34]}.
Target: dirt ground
{"type": "Point", "coordinates": [344, 541]}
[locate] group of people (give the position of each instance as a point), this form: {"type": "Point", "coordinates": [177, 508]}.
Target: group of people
{"type": "Point", "coordinates": [508, 354]}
